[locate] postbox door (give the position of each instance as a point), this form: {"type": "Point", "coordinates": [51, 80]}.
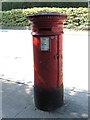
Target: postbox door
{"type": "Point", "coordinates": [46, 61]}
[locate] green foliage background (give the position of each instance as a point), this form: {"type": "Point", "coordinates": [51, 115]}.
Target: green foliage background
{"type": "Point", "coordinates": [23, 5]}
{"type": "Point", "coordinates": [77, 17]}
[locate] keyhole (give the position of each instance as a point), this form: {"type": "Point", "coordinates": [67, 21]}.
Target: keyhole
{"type": "Point", "coordinates": [56, 56]}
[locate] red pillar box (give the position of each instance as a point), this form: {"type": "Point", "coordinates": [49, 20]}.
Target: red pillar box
{"type": "Point", "coordinates": [47, 31]}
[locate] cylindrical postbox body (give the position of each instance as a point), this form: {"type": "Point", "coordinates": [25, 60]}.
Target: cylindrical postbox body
{"type": "Point", "coordinates": [47, 31]}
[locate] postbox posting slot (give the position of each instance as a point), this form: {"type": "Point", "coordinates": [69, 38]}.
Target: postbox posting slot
{"type": "Point", "coordinates": [44, 43]}
{"type": "Point", "coordinates": [44, 29]}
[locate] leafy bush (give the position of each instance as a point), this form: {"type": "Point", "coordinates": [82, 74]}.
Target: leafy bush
{"type": "Point", "coordinates": [23, 5]}
{"type": "Point", "coordinates": [77, 17]}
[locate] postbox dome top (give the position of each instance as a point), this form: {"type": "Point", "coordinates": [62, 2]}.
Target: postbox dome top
{"type": "Point", "coordinates": [46, 15]}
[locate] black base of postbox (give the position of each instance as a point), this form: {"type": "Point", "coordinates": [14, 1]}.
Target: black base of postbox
{"type": "Point", "coordinates": [48, 100]}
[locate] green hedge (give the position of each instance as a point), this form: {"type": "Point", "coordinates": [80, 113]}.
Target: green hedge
{"type": "Point", "coordinates": [24, 5]}
{"type": "Point", "coordinates": [77, 17]}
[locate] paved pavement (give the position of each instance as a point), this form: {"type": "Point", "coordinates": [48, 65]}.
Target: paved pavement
{"type": "Point", "coordinates": [16, 67]}
{"type": "Point", "coordinates": [18, 102]}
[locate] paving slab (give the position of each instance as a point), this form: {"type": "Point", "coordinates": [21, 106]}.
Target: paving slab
{"type": "Point", "coordinates": [15, 99]}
